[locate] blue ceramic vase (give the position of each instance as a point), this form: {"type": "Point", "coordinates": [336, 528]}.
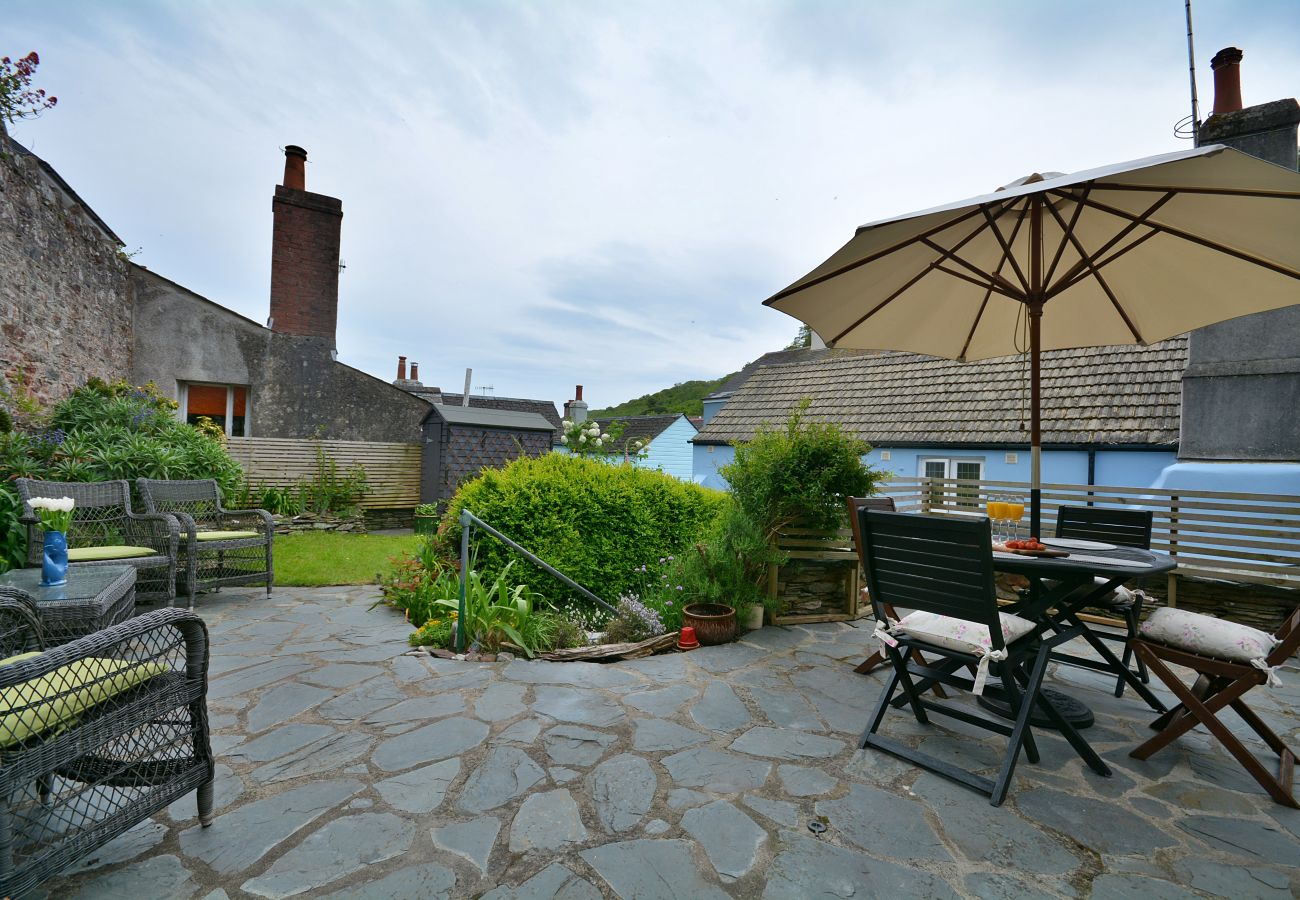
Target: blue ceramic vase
{"type": "Point", "coordinates": [54, 565]}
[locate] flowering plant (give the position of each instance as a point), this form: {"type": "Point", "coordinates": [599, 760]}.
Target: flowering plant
{"type": "Point", "coordinates": [18, 100]}
{"type": "Point", "coordinates": [635, 622]}
{"type": "Point", "coordinates": [589, 439]}
{"type": "Point", "coordinates": [54, 513]}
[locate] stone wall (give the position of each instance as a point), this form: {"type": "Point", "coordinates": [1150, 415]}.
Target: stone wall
{"type": "Point", "coordinates": [65, 305]}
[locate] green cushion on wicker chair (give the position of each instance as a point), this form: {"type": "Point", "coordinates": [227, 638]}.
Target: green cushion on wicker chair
{"type": "Point", "coordinates": [95, 554]}
{"type": "Point", "coordinates": [56, 699]}
{"type": "Point", "coordinates": [225, 535]}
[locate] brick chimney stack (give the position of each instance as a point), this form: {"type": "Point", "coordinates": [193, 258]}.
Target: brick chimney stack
{"type": "Point", "coordinates": [304, 255]}
{"type": "Point", "coordinates": [1227, 80]}
{"type": "Point", "coordinates": [415, 372]}
{"type": "Point", "coordinates": [401, 368]}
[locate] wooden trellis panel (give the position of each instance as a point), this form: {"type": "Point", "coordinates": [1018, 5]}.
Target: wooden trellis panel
{"type": "Point", "coordinates": [392, 469]}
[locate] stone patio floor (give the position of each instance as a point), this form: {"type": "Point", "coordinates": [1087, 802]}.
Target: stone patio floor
{"type": "Point", "coordinates": [350, 767]}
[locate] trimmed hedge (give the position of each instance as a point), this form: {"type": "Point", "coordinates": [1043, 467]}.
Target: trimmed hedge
{"type": "Point", "coordinates": [595, 522]}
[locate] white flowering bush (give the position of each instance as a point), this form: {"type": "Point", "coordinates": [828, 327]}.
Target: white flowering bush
{"type": "Point", "coordinates": [55, 513]}
{"type": "Point", "coordinates": [589, 439]}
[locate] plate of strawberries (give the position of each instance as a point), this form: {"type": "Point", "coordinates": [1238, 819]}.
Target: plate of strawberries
{"type": "Point", "coordinates": [1029, 547]}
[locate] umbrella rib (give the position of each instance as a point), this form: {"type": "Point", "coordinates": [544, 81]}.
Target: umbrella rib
{"type": "Point", "coordinates": [916, 238]}
{"type": "Point", "coordinates": [896, 294]}
{"type": "Point", "coordinates": [1006, 252]}
{"type": "Point", "coordinates": [1006, 287]}
{"type": "Point", "coordinates": [1226, 192]}
{"type": "Point", "coordinates": [1074, 220]}
{"type": "Point", "coordinates": [988, 293]}
{"type": "Point", "coordinates": [1071, 278]}
{"type": "Point", "coordinates": [987, 285]}
{"type": "Point", "coordinates": [1204, 242]}
{"type": "Point", "coordinates": [1089, 262]}
{"type": "Point", "coordinates": [1079, 272]}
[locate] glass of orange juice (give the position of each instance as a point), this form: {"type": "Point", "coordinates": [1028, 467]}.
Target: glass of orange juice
{"type": "Point", "coordinates": [1016, 512]}
{"type": "Point", "coordinates": [997, 511]}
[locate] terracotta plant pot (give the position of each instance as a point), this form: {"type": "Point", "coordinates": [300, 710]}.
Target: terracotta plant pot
{"type": "Point", "coordinates": [713, 622]}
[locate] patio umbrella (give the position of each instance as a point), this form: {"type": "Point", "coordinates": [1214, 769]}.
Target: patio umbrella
{"type": "Point", "coordinates": [1132, 253]}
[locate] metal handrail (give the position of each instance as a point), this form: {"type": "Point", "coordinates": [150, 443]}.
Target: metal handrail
{"type": "Point", "coordinates": [469, 521]}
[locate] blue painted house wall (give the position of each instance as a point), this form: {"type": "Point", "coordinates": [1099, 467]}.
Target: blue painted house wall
{"type": "Point", "coordinates": [711, 407]}
{"type": "Point", "coordinates": [671, 450]}
{"type": "Point", "coordinates": [1114, 468]}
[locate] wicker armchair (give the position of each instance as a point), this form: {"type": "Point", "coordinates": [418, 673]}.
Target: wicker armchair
{"type": "Point", "coordinates": [220, 546]}
{"type": "Point", "coordinates": [103, 519]}
{"type": "Point", "coordinates": [96, 735]}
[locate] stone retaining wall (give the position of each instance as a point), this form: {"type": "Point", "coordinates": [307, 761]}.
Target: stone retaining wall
{"type": "Point", "coordinates": [314, 522]}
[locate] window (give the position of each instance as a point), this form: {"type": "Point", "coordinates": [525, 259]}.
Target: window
{"type": "Point", "coordinates": [961, 469]}
{"type": "Point", "coordinates": [227, 405]}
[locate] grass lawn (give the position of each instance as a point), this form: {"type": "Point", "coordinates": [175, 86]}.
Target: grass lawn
{"type": "Point", "coordinates": [317, 558]}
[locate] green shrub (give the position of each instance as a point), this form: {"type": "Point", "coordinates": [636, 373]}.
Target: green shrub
{"type": "Point", "coordinates": [803, 471]}
{"type": "Point", "coordinates": [103, 432]}
{"type": "Point", "coordinates": [597, 523]}
{"type": "Point", "coordinates": [730, 565]}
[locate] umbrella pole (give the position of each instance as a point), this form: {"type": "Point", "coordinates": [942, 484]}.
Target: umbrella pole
{"type": "Point", "coordinates": [1035, 305]}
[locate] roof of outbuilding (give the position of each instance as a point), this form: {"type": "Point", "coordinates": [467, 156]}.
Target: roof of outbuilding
{"type": "Point", "coordinates": [1099, 395]}
{"type": "Point", "coordinates": [483, 417]}
{"type": "Point", "coordinates": [639, 428]}
{"type": "Point", "coordinates": [544, 408]}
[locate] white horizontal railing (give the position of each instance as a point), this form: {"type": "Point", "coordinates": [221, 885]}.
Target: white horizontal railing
{"type": "Point", "coordinates": [1252, 538]}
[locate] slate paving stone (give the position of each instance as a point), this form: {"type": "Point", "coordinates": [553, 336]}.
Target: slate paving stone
{"type": "Point", "coordinates": [500, 702]}
{"type": "Point", "coordinates": [1136, 887]}
{"type": "Point", "coordinates": [1245, 838]}
{"type": "Point", "coordinates": [774, 638]}
{"type": "Point", "coordinates": [368, 697]}
{"type": "Point", "coordinates": [801, 781]}
{"type": "Point", "coordinates": [159, 876]}
{"type": "Point", "coordinates": [450, 737]}
{"type": "Point", "coordinates": [780, 743]}
{"type": "Point", "coordinates": [561, 775]}
{"type": "Point", "coordinates": [341, 675]}
{"type": "Point", "coordinates": [989, 834]}
{"type": "Point", "coordinates": [429, 881]}
{"type": "Point", "coordinates": [725, 658]}
{"type": "Point", "coordinates": [555, 882]}
{"type": "Point", "coordinates": [504, 774]}
{"type": "Point", "coordinates": [548, 821]}
{"type": "Point", "coordinates": [680, 798]}
{"type": "Point", "coordinates": [663, 702]}
{"type": "Point", "coordinates": [716, 770]}
{"type": "Point", "coordinates": [805, 867]}
{"type": "Point", "coordinates": [416, 711]}
{"type": "Point", "coordinates": [330, 752]}
{"type": "Point", "coordinates": [576, 746]}
{"type": "Point", "coordinates": [654, 735]}
{"type": "Point", "coordinates": [1088, 821]}
{"type": "Point", "coordinates": [282, 703]}
{"type": "Point", "coordinates": [582, 706]}
{"type": "Point", "coordinates": [1223, 880]}
{"type": "Point", "coordinates": [407, 669]}
{"type": "Point", "coordinates": [1001, 886]}
{"type": "Point", "coordinates": [651, 869]}
{"type": "Point", "coordinates": [473, 840]}
{"type": "Point", "coordinates": [522, 732]}
{"type": "Point", "coordinates": [226, 789]}
{"type": "Point", "coordinates": [285, 739]}
{"type": "Point", "coordinates": [781, 812]}
{"type": "Point", "coordinates": [1224, 772]}
{"type": "Point", "coordinates": [1190, 795]}
{"type": "Point", "coordinates": [249, 832]}
{"type": "Point", "coordinates": [128, 845]}
{"type": "Point", "coordinates": [419, 790]}
{"type": "Point", "coordinates": [665, 667]}
{"type": "Point", "coordinates": [720, 709]}
{"type": "Point", "coordinates": [379, 652]}
{"type": "Point", "coordinates": [786, 709]}
{"type": "Point", "coordinates": [575, 674]}
{"type": "Point", "coordinates": [730, 839]}
{"type": "Point", "coordinates": [622, 788]}
{"type": "Point", "coordinates": [656, 827]}
{"type": "Point", "coordinates": [254, 677]}
{"type": "Point", "coordinates": [856, 818]}
{"type": "Point", "coordinates": [337, 848]}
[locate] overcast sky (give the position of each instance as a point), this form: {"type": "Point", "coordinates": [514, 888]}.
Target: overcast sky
{"type": "Point", "coordinates": [592, 192]}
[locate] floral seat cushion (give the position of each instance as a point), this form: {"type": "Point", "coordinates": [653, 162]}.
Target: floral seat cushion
{"type": "Point", "coordinates": [959, 634]}
{"type": "Point", "coordinates": [1208, 636]}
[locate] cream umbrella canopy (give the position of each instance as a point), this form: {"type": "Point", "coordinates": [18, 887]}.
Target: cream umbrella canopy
{"type": "Point", "coordinates": [1131, 253]}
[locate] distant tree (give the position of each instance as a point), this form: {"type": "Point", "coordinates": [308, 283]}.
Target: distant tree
{"type": "Point", "coordinates": [802, 339]}
{"type": "Point", "coordinates": [18, 99]}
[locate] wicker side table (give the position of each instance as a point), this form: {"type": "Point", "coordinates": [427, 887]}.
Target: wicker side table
{"type": "Point", "coordinates": [94, 598]}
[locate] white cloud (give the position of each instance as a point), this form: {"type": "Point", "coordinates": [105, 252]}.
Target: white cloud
{"type": "Point", "coordinates": [560, 193]}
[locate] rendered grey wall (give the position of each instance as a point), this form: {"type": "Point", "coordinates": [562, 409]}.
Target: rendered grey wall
{"type": "Point", "coordinates": [1242, 383]}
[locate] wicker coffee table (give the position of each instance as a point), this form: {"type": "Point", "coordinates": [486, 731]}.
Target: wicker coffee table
{"type": "Point", "coordinates": [94, 598]}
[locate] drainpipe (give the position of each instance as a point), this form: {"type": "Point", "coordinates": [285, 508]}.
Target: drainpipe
{"type": "Point", "coordinates": [1092, 471]}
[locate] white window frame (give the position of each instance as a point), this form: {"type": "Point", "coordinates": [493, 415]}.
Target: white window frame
{"type": "Point", "coordinates": [949, 472]}
{"type": "Point", "coordinates": [182, 411]}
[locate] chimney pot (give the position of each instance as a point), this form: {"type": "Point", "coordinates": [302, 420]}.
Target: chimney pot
{"type": "Point", "coordinates": [577, 395]}
{"type": "Point", "coordinates": [295, 167]}
{"type": "Point", "coordinates": [1227, 80]}
{"type": "Point", "coordinates": [415, 371]}
{"type": "Point", "coordinates": [401, 368]}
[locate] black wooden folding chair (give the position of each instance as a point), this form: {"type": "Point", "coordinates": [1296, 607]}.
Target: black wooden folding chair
{"type": "Point", "coordinates": [943, 569]}
{"type": "Point", "coordinates": [1123, 528]}
{"type": "Point", "coordinates": [1221, 684]}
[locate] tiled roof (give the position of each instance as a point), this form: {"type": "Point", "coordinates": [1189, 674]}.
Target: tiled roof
{"type": "Point", "coordinates": [489, 418]}
{"type": "Point", "coordinates": [544, 408]}
{"type": "Point", "coordinates": [775, 358]}
{"type": "Point", "coordinates": [1097, 395]}
{"type": "Point", "coordinates": [639, 428]}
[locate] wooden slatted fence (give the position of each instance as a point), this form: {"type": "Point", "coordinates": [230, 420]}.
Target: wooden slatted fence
{"type": "Point", "coordinates": [1251, 538]}
{"type": "Point", "coordinates": [392, 469]}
